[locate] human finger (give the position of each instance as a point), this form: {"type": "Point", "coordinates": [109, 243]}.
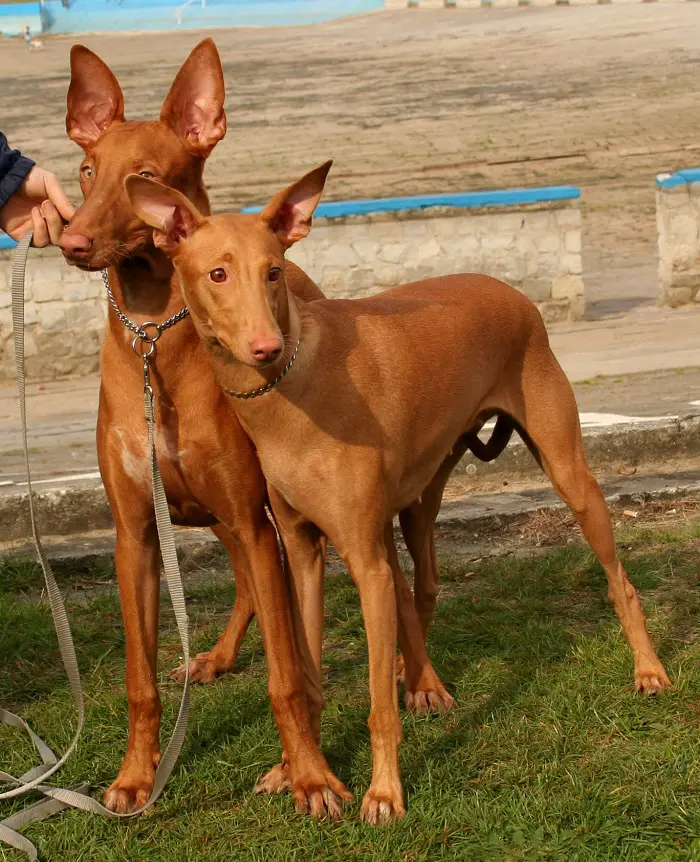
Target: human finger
{"type": "Point", "coordinates": [41, 232]}
{"type": "Point", "coordinates": [55, 193]}
{"type": "Point", "coordinates": [54, 222]}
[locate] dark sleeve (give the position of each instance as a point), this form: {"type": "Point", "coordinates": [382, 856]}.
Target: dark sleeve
{"type": "Point", "coordinates": [14, 168]}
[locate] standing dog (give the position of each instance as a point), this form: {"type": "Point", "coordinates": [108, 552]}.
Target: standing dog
{"type": "Point", "coordinates": [360, 403]}
{"type": "Point", "coordinates": [211, 474]}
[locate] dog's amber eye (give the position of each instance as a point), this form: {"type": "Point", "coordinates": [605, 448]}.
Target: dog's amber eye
{"type": "Point", "coordinates": [86, 171]}
{"type": "Point", "coordinates": [147, 174]}
{"type": "Point", "coordinates": [218, 275]}
{"type": "Point", "coordinates": [275, 273]}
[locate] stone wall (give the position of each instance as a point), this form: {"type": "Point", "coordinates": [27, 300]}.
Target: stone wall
{"type": "Point", "coordinates": [678, 225]}
{"type": "Point", "coordinates": [64, 317]}
{"type": "Point", "coordinates": [530, 238]}
{"type": "Point", "coordinates": [533, 245]}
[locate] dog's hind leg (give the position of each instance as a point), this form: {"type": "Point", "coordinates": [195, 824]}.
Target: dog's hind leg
{"type": "Point", "coordinates": [418, 520]}
{"type": "Point", "coordinates": [221, 658]}
{"type": "Point", "coordinates": [424, 689]}
{"type": "Point", "coordinates": [547, 412]}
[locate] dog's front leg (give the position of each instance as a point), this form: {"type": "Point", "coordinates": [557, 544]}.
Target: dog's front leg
{"type": "Point", "coordinates": [305, 558]}
{"type": "Point", "coordinates": [138, 574]}
{"type": "Point", "coordinates": [205, 667]}
{"type": "Point", "coordinates": [367, 561]}
{"type": "Point", "coordinates": [316, 789]}
{"type": "Point", "coordinates": [305, 552]}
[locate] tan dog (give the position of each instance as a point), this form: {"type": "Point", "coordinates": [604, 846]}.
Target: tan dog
{"type": "Point", "coordinates": [211, 474]}
{"type": "Point", "coordinates": [212, 477]}
{"type": "Point", "coordinates": [366, 399]}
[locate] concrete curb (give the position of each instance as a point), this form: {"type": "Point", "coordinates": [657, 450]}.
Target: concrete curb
{"type": "Point", "coordinates": [484, 513]}
{"type": "Point", "coordinates": [60, 512]}
{"type": "Point", "coordinates": [476, 518]}
{"type": "Point", "coordinates": [630, 445]}
{"type": "Point", "coordinates": [82, 507]}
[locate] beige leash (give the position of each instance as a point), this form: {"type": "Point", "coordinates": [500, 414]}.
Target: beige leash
{"type": "Point", "coordinates": [33, 779]}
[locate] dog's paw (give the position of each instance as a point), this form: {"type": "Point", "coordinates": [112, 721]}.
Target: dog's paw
{"type": "Point", "coordinates": [318, 792]}
{"type": "Point", "coordinates": [651, 679]}
{"type": "Point", "coordinates": [277, 780]}
{"type": "Point", "coordinates": [132, 786]}
{"type": "Point", "coordinates": [322, 803]}
{"type": "Point", "coordinates": [426, 701]}
{"type": "Point", "coordinates": [205, 667]}
{"type": "Point", "coordinates": [380, 809]}
{"type": "Point", "coordinates": [425, 692]}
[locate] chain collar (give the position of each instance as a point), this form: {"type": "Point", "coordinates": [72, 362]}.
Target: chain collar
{"type": "Point", "coordinates": [253, 393]}
{"type": "Point", "coordinates": [144, 345]}
{"type": "Point", "coordinates": [142, 336]}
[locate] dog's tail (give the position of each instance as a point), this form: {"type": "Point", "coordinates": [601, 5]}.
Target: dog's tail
{"type": "Point", "coordinates": [496, 443]}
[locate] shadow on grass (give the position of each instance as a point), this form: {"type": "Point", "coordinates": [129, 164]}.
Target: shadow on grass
{"type": "Point", "coordinates": [547, 755]}
{"type": "Point", "coordinates": [522, 615]}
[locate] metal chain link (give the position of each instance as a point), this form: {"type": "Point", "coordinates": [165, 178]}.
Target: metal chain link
{"type": "Point", "coordinates": [143, 336]}
{"type": "Point", "coordinates": [140, 331]}
{"type": "Point", "coordinates": [253, 393]}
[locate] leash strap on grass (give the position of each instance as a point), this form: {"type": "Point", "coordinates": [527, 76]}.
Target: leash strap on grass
{"type": "Point", "coordinates": [59, 798]}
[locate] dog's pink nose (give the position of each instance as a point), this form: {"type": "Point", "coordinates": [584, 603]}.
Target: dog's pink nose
{"type": "Point", "coordinates": [265, 348]}
{"type": "Point", "coordinates": [75, 244]}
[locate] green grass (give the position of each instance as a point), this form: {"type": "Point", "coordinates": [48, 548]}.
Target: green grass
{"type": "Point", "coordinates": [550, 755]}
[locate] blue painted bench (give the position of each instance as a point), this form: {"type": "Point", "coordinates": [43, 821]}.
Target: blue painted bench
{"type": "Point", "coordinates": [466, 200]}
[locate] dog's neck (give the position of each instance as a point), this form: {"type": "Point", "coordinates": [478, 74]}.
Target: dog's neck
{"type": "Point", "coordinates": [297, 327]}
{"type": "Point", "coordinates": [146, 286]}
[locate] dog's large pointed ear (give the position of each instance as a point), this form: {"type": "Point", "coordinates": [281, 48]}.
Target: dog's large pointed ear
{"type": "Point", "coordinates": [194, 108]}
{"type": "Point", "coordinates": [95, 99]}
{"type": "Point", "coordinates": [289, 213]}
{"type": "Point", "coordinates": [167, 210]}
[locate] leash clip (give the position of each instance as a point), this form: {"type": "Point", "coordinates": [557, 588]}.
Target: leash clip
{"type": "Point", "coordinates": [147, 388]}
{"type": "Point", "coordinates": [144, 345]}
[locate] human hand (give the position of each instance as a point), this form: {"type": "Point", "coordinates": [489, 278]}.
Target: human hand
{"type": "Point", "coordinates": [39, 203]}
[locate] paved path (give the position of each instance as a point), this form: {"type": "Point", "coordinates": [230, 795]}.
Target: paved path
{"type": "Point", "coordinates": [647, 359]}
{"type": "Point", "coordinates": [434, 100]}
{"type": "Point", "coordinates": [648, 339]}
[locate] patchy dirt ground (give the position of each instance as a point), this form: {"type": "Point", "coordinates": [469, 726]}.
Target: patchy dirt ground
{"type": "Point", "coordinates": [85, 562]}
{"type": "Point", "coordinates": [426, 101]}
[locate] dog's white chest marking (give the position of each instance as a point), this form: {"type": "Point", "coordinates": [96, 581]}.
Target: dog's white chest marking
{"type": "Point", "coordinates": [134, 454]}
{"type": "Point", "coordinates": [134, 459]}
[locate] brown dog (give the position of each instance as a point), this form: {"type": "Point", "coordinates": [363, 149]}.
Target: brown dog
{"type": "Point", "coordinates": [211, 475]}
{"type": "Point", "coordinates": [365, 400]}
